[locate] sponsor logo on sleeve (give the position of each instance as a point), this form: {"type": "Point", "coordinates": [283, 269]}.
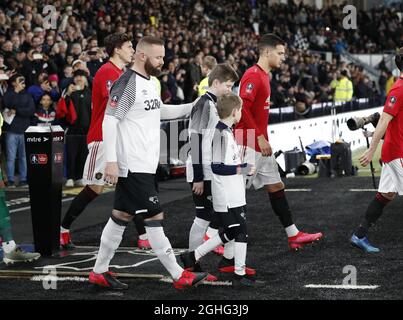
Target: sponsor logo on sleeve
{"type": "Point", "coordinates": [392, 102]}
{"type": "Point", "coordinates": [249, 88]}
{"type": "Point", "coordinates": [109, 84]}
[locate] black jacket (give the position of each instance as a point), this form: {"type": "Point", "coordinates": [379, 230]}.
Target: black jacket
{"type": "Point", "coordinates": [82, 104]}
{"type": "Point", "coordinates": [24, 106]}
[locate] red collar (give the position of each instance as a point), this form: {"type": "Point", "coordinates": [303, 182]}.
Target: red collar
{"type": "Point", "coordinates": [261, 68]}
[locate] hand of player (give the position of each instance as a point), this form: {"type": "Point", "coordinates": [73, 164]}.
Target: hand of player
{"type": "Point", "coordinates": [111, 173]}
{"type": "Point", "coordinates": [367, 157]}
{"type": "Point", "coordinates": [264, 146]}
{"type": "Point", "coordinates": [249, 170]}
{"type": "Point", "coordinates": [252, 170]}
{"type": "Point", "coordinates": [198, 188]}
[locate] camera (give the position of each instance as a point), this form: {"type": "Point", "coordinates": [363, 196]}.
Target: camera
{"type": "Point", "coordinates": [37, 56]}
{"type": "Point", "coordinates": [359, 122]}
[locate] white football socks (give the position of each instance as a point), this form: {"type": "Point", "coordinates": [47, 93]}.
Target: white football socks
{"type": "Point", "coordinates": [110, 241]}
{"type": "Point", "coordinates": [197, 232]}
{"type": "Point", "coordinates": [229, 250]}
{"type": "Point", "coordinates": [208, 246]}
{"type": "Point", "coordinates": [163, 249]}
{"type": "Point", "coordinates": [240, 257]}
{"type": "Point", "coordinates": [211, 232]}
{"type": "Point", "coordinates": [291, 231]}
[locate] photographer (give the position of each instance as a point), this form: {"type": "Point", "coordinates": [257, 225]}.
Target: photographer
{"type": "Point", "coordinates": [74, 111]}
{"type": "Point", "coordinates": [390, 126]}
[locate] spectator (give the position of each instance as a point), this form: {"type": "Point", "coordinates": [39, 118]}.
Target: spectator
{"type": "Point", "coordinates": [33, 66]}
{"type": "Point", "coordinates": [3, 84]}
{"type": "Point", "coordinates": [344, 88]}
{"type": "Point", "coordinates": [18, 103]}
{"type": "Point", "coordinates": [173, 85]}
{"type": "Point", "coordinates": [43, 86]}
{"type": "Point", "coordinates": [95, 60]}
{"type": "Point", "coordinates": [193, 77]}
{"type": "Point", "coordinates": [166, 95]}
{"type": "Point", "coordinates": [67, 77]}
{"type": "Point", "coordinates": [382, 84]}
{"type": "Point", "coordinates": [193, 31]}
{"type": "Point", "coordinates": [363, 89]}
{"type": "Point", "coordinates": [389, 83]}
{"type": "Point", "coordinates": [45, 113]}
{"type": "Point", "coordinates": [208, 64]}
{"type": "Point", "coordinates": [74, 112]}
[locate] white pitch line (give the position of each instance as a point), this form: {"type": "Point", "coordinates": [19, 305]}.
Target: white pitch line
{"type": "Point", "coordinates": [83, 279]}
{"type": "Point", "coordinates": [341, 286]}
{"type": "Point", "coordinates": [57, 279]}
{"type": "Point", "coordinates": [363, 190]}
{"type": "Point", "coordinates": [298, 190]}
{"type": "Point", "coordinates": [211, 283]}
{"type": "Point", "coordinates": [26, 208]}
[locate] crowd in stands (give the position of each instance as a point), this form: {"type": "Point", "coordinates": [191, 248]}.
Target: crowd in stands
{"type": "Point", "coordinates": [54, 67]}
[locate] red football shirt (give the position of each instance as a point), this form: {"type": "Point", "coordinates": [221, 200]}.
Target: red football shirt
{"type": "Point", "coordinates": [254, 91]}
{"type": "Point", "coordinates": [393, 143]}
{"type": "Point", "coordinates": [103, 81]}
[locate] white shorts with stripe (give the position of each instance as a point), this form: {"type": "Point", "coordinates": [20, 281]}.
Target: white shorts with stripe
{"type": "Point", "coordinates": [266, 168]}
{"type": "Point", "coordinates": [95, 164]}
{"type": "Point", "coordinates": [392, 177]}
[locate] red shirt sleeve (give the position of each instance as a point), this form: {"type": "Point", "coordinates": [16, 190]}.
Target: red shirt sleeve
{"type": "Point", "coordinates": [248, 92]}
{"type": "Point", "coordinates": [105, 84]}
{"type": "Point", "coordinates": [394, 103]}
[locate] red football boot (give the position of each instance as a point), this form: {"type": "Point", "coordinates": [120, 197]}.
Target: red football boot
{"type": "Point", "coordinates": [228, 266]}
{"type": "Point", "coordinates": [143, 244]}
{"type": "Point", "coordinates": [106, 280]}
{"type": "Point", "coordinates": [189, 279]}
{"type": "Point", "coordinates": [302, 239]}
{"type": "Point", "coordinates": [65, 241]}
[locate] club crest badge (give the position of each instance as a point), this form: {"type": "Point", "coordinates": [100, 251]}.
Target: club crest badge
{"type": "Point", "coordinates": [392, 101]}
{"type": "Point", "coordinates": [249, 88]}
{"type": "Point", "coordinates": [109, 84]}
{"type": "Point", "coordinates": [114, 101]}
